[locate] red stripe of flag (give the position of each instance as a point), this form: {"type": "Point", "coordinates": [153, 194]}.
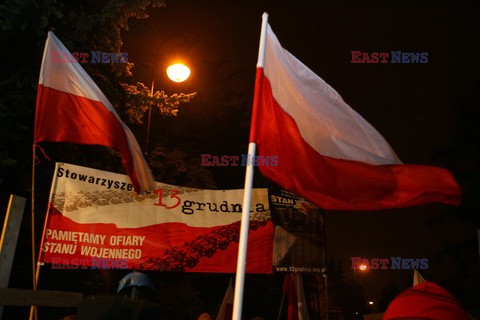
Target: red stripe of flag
{"type": "Point", "coordinates": [81, 121]}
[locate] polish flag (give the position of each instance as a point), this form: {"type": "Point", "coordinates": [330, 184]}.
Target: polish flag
{"type": "Point", "coordinates": [72, 108]}
{"type": "Point", "coordinates": [297, 304]}
{"type": "Point", "coordinates": [225, 311]}
{"type": "Point", "coordinates": [326, 151]}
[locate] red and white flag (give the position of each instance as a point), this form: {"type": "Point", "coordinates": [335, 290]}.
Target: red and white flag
{"type": "Point", "coordinates": [326, 151]}
{"type": "Point", "coordinates": [72, 108]}
{"type": "Point", "coordinates": [297, 304]}
{"type": "Point", "coordinates": [225, 311]}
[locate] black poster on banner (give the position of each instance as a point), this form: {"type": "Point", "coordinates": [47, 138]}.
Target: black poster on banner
{"type": "Point", "coordinates": [299, 233]}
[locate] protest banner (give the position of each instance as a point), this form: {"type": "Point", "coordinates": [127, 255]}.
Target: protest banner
{"type": "Point", "coordinates": [299, 233]}
{"type": "Point", "coordinates": [95, 219]}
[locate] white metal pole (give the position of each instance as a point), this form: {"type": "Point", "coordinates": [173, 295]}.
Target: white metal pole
{"type": "Point", "coordinates": [247, 197]}
{"type": "Point", "coordinates": [263, 41]}
{"type": "Point", "coordinates": [243, 241]}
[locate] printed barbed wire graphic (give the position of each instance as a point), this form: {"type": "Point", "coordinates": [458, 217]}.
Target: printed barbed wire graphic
{"type": "Point", "coordinates": [206, 245]}
{"type": "Point", "coordinates": [83, 199]}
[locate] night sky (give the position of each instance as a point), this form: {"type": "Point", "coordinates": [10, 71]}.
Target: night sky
{"type": "Point", "coordinates": [416, 107]}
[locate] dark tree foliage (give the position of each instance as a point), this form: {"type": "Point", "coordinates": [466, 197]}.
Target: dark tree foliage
{"type": "Point", "coordinates": [176, 167]}
{"type": "Point", "coordinates": [347, 296]}
{"type": "Point", "coordinates": [464, 155]}
{"type": "Point", "coordinates": [83, 26]}
{"type": "Point", "coordinates": [388, 294]}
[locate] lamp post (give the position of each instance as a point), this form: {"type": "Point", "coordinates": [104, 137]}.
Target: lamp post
{"type": "Point", "coordinates": [371, 306]}
{"type": "Point", "coordinates": [177, 72]}
{"type": "Point", "coordinates": [362, 267]}
{"type": "Point", "coordinates": [147, 138]}
{"type": "Point", "coordinates": [171, 49]}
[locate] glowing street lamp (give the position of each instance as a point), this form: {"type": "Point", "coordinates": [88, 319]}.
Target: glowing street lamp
{"type": "Point", "coordinates": [178, 72]}
{"type": "Point", "coordinates": [362, 267]}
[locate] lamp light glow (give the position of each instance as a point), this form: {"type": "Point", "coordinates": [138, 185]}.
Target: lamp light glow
{"type": "Point", "coordinates": [178, 72]}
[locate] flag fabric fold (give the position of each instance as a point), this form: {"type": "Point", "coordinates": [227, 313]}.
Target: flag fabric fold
{"type": "Point", "coordinates": [225, 311]}
{"type": "Point", "coordinates": [326, 151]}
{"type": "Point", "coordinates": [426, 300]}
{"type": "Point", "coordinates": [72, 108]}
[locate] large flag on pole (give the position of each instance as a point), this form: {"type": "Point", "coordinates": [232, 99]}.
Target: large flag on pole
{"type": "Point", "coordinates": [72, 108]}
{"type": "Point", "coordinates": [326, 151]}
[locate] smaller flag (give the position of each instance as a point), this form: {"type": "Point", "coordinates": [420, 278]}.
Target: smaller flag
{"type": "Point", "coordinates": [226, 309]}
{"type": "Point", "coordinates": [72, 108]}
{"type": "Point", "coordinates": [297, 304]}
{"type": "Point", "coordinates": [417, 277]}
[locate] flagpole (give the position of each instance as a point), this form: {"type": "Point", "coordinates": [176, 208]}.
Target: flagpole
{"type": "Point", "coordinates": [33, 218]}
{"type": "Point", "coordinates": [39, 264]}
{"type": "Point", "coordinates": [33, 309]}
{"type": "Point", "coordinates": [324, 269]}
{"type": "Point", "coordinates": [247, 195]}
